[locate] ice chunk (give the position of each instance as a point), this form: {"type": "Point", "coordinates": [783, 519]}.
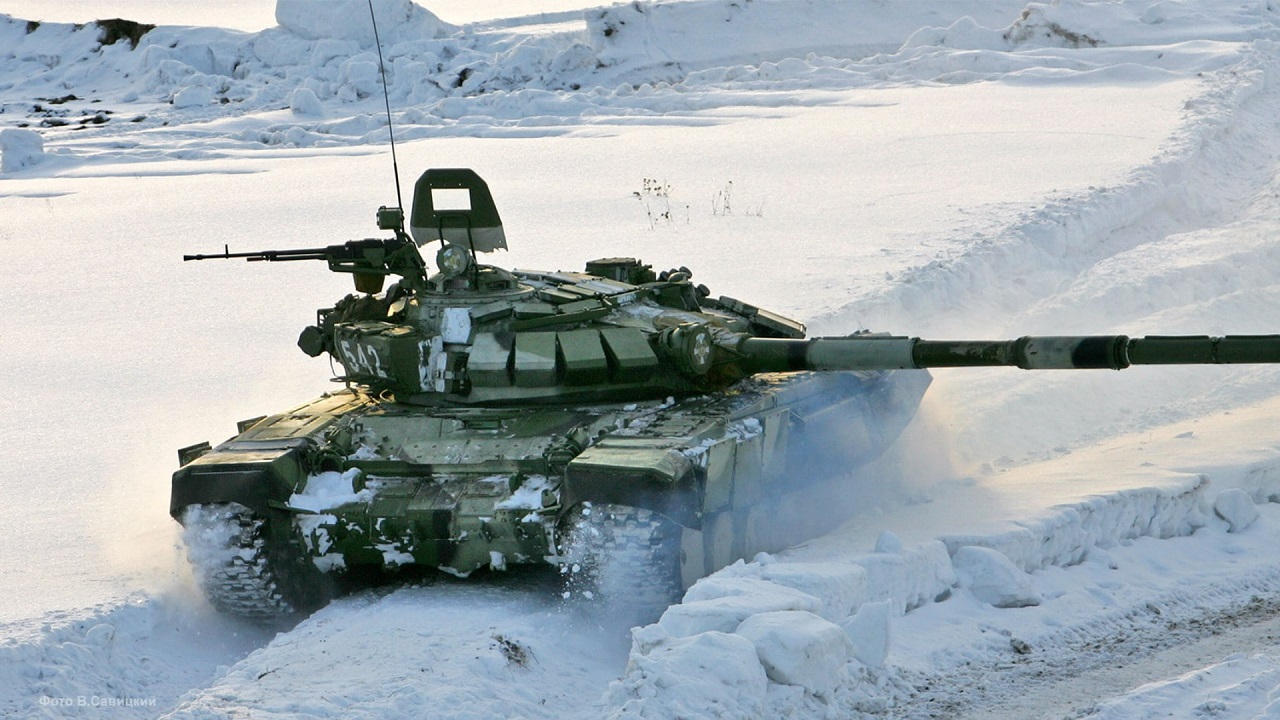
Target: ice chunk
{"type": "Point", "coordinates": [910, 578]}
{"type": "Point", "coordinates": [799, 648]}
{"type": "Point", "coordinates": [840, 586]}
{"type": "Point", "coordinates": [869, 631]}
{"type": "Point", "coordinates": [708, 675]}
{"type": "Point", "coordinates": [721, 604]}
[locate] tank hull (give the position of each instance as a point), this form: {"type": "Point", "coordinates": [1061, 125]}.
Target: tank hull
{"type": "Point", "coordinates": [353, 480]}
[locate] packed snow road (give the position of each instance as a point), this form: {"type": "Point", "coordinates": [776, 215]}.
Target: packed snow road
{"type": "Point", "coordinates": [1038, 545]}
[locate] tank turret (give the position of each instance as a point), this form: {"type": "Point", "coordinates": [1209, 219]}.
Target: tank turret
{"type": "Point", "coordinates": [619, 422]}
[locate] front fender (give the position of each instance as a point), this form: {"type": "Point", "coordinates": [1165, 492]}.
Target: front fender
{"type": "Point", "coordinates": [660, 479]}
{"type": "Point", "coordinates": [253, 478]}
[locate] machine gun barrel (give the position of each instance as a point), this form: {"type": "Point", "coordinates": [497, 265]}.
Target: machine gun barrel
{"type": "Point", "coordinates": [369, 261]}
{"type": "Point", "coordinates": [1114, 352]}
{"type": "Point", "coordinates": [352, 250]}
{"type": "Point", "coordinates": [265, 255]}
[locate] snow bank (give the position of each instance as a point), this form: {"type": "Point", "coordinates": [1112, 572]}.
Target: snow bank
{"type": "Point", "coordinates": [796, 643]}
{"type": "Point", "coordinates": [398, 20]}
{"type": "Point", "coordinates": [635, 60]}
{"type": "Point", "coordinates": [796, 632]}
{"type": "Point", "coordinates": [1069, 234]}
{"type": "Point", "coordinates": [671, 38]}
{"type": "Point", "coordinates": [1064, 535]}
{"type": "Point", "coordinates": [662, 60]}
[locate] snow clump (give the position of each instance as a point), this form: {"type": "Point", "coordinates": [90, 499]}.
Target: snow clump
{"type": "Point", "coordinates": [304, 101]}
{"type": "Point", "coordinates": [993, 578]}
{"type": "Point", "coordinates": [1237, 508]}
{"type": "Point", "coordinates": [20, 149]}
{"type": "Point", "coordinates": [193, 96]}
{"type": "Point", "coordinates": [329, 490]}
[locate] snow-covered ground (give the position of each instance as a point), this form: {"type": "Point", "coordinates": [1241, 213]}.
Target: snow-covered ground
{"type": "Point", "coordinates": [1037, 545]}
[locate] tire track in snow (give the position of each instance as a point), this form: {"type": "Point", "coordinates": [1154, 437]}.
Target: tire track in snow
{"type": "Point", "coordinates": [1197, 245]}
{"type": "Point", "coordinates": [1194, 183]}
{"type": "Point", "coordinates": [1064, 674]}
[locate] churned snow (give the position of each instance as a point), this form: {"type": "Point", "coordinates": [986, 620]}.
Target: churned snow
{"type": "Point", "coordinates": [1037, 544]}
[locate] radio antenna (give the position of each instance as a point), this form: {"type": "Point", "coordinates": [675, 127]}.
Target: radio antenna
{"type": "Point", "coordinates": [386, 96]}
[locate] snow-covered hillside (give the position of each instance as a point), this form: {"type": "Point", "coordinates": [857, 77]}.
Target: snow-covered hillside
{"type": "Point", "coordinates": [1036, 545]}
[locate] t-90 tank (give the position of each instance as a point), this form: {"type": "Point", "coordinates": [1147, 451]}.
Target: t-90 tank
{"type": "Point", "coordinates": [620, 423]}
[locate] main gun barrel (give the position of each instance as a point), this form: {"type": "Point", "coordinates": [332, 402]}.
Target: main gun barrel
{"type": "Point", "coordinates": [1114, 352]}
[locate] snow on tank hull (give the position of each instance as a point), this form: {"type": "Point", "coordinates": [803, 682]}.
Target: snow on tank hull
{"type": "Point", "coordinates": [350, 481]}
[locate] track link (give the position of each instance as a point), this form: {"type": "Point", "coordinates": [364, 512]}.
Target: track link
{"type": "Point", "coordinates": [623, 558]}
{"type": "Point", "coordinates": [239, 572]}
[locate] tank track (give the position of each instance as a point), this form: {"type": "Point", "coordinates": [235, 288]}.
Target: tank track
{"type": "Point", "coordinates": [622, 558]}
{"type": "Point", "coordinates": [239, 572]}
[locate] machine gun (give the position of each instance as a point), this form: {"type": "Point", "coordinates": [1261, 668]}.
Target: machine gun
{"type": "Point", "coordinates": [369, 260]}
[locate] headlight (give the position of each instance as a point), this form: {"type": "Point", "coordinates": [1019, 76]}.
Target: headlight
{"type": "Point", "coordinates": [453, 260]}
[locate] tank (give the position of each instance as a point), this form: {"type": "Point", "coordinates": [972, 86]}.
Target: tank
{"type": "Point", "coordinates": [621, 424]}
